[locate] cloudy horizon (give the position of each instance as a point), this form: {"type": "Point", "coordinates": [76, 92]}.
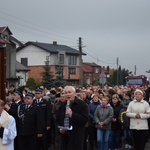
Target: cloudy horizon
{"type": "Point", "coordinates": [109, 28]}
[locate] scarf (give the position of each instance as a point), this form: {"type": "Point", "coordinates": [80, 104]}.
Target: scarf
{"type": "Point", "coordinates": [4, 123]}
{"type": "Point", "coordinates": [104, 106]}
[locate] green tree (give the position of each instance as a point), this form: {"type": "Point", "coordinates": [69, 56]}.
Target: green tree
{"type": "Point", "coordinates": [84, 84]}
{"type": "Point", "coordinates": [124, 74]}
{"type": "Point", "coordinates": [31, 83]}
{"type": "Point", "coordinates": [59, 81]}
{"type": "Point", "coordinates": [95, 82]}
{"type": "Point", "coordinates": [148, 71]}
{"type": "Point", "coordinates": [121, 73]}
{"type": "Point", "coordinates": [47, 77]}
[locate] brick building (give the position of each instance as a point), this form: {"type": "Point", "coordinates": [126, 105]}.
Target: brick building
{"type": "Point", "coordinates": [36, 55]}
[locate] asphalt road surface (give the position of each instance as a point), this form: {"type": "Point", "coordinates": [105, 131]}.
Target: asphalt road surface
{"type": "Point", "coordinates": [146, 148]}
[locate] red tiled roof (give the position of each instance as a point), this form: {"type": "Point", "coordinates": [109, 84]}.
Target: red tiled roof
{"type": "Point", "coordinates": [86, 68]}
{"type": "Point", "coordinates": [91, 64]}
{"type": "Point", "coordinates": [2, 29]}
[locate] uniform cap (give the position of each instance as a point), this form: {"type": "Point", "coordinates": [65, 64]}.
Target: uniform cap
{"type": "Point", "coordinates": [29, 95]}
{"type": "Point", "coordinates": [38, 90]}
{"type": "Point", "coordinates": [18, 92]}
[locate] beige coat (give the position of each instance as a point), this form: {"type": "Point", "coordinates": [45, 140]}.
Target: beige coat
{"type": "Point", "coordinates": [143, 109]}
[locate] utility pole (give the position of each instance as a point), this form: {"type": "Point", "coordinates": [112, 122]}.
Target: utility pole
{"type": "Point", "coordinates": [135, 70]}
{"type": "Point", "coordinates": [80, 61]}
{"type": "Point", "coordinates": [117, 69]}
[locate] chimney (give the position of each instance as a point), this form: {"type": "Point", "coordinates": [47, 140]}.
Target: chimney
{"type": "Point", "coordinates": [54, 42]}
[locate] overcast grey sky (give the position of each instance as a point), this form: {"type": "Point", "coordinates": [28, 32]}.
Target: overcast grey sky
{"type": "Point", "coordinates": [109, 28]}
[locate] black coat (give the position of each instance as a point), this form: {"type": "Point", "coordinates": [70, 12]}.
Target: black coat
{"type": "Point", "coordinates": [147, 94]}
{"type": "Point", "coordinates": [124, 120]}
{"type": "Point", "coordinates": [74, 139]}
{"type": "Point", "coordinates": [46, 111]}
{"type": "Point", "coordinates": [30, 120]}
{"type": "Point", "coordinates": [14, 111]}
{"type": "Point", "coordinates": [116, 125]}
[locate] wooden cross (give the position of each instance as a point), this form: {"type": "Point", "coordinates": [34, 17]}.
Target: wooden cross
{"type": "Point", "coordinates": [2, 73]}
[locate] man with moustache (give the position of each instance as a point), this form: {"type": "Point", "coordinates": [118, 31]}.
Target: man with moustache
{"type": "Point", "coordinates": [30, 123]}
{"type": "Point", "coordinates": [72, 139]}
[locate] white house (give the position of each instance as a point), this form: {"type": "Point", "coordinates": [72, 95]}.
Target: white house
{"type": "Point", "coordinates": [35, 55]}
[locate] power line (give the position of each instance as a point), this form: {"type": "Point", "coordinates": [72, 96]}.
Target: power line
{"type": "Point", "coordinates": [32, 28]}
{"type": "Point", "coordinates": [27, 29]}
{"type": "Point", "coordinates": [25, 21]}
{"type": "Point", "coordinates": [96, 58]}
{"type": "Point", "coordinates": [100, 52]}
{"type": "Point", "coordinates": [22, 24]}
{"type": "Point", "coordinates": [101, 56]}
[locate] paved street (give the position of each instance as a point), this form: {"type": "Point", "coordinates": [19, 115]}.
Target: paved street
{"type": "Point", "coordinates": [146, 148]}
{"type": "Point", "coordinates": [148, 145]}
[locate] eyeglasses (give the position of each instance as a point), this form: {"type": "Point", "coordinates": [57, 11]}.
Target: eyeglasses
{"type": "Point", "coordinates": [37, 93]}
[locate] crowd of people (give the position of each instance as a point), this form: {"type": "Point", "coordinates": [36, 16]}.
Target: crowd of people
{"type": "Point", "coordinates": [75, 118]}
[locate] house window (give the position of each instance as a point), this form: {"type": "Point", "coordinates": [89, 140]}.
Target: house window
{"type": "Point", "coordinates": [96, 70]}
{"type": "Point", "coordinates": [61, 58]}
{"type": "Point", "coordinates": [88, 80]}
{"type": "Point", "coordinates": [59, 70]}
{"type": "Point", "coordinates": [47, 58]}
{"type": "Point", "coordinates": [72, 60]}
{"type": "Point", "coordinates": [3, 36]}
{"type": "Point", "coordinates": [24, 61]}
{"type": "Point", "coordinates": [72, 70]}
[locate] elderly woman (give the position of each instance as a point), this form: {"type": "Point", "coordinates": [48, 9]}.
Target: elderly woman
{"type": "Point", "coordinates": [139, 111]}
{"type": "Point", "coordinates": [103, 116]}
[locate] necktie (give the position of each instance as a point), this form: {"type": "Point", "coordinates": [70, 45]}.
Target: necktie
{"type": "Point", "coordinates": [38, 101]}
{"type": "Point", "coordinates": [66, 119]}
{"type": "Point", "coordinates": [27, 106]}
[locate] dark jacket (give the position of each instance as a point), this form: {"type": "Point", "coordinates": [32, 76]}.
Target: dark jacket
{"type": "Point", "coordinates": [147, 94]}
{"type": "Point", "coordinates": [123, 119]}
{"type": "Point", "coordinates": [74, 139]}
{"type": "Point", "coordinates": [116, 125]}
{"type": "Point", "coordinates": [92, 108]}
{"type": "Point", "coordinates": [55, 108]}
{"type": "Point", "coordinates": [13, 111]}
{"type": "Point", "coordinates": [30, 120]}
{"type": "Point", "coordinates": [46, 111]}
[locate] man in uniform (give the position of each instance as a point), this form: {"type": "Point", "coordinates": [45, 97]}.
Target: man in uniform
{"type": "Point", "coordinates": [44, 141]}
{"type": "Point", "coordinates": [30, 123]}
